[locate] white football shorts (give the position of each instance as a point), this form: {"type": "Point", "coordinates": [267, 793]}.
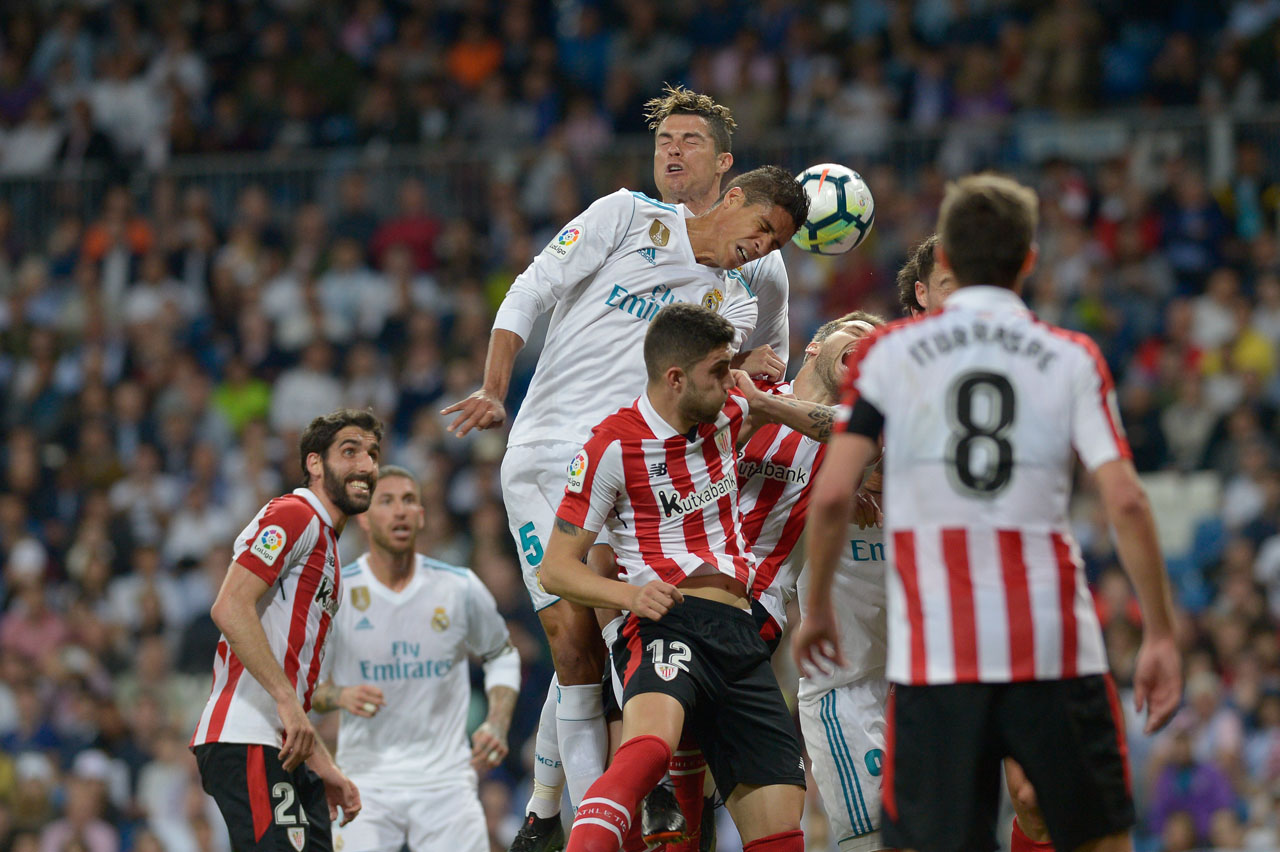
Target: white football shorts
{"type": "Point", "coordinates": [425, 819]}
{"type": "Point", "coordinates": [533, 480]}
{"type": "Point", "coordinates": [844, 731]}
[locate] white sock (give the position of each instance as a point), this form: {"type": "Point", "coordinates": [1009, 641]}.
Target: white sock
{"type": "Point", "coordinates": [584, 739]}
{"type": "Point", "coordinates": [548, 772]}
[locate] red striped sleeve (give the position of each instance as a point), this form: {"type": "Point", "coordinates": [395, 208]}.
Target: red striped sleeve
{"type": "Point", "coordinates": [282, 523]}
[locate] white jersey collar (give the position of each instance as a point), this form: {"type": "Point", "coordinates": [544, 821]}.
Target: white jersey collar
{"type": "Point", "coordinates": [310, 496]}
{"type": "Point", "coordinates": [382, 589]}
{"type": "Point", "coordinates": [984, 297]}
{"type": "Point", "coordinates": [660, 427]}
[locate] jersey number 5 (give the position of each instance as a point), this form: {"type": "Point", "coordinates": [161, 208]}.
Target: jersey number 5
{"type": "Point", "coordinates": [530, 546]}
{"type": "Point", "coordinates": [980, 409]}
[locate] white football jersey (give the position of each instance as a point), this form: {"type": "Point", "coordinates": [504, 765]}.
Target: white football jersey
{"type": "Point", "coordinates": [413, 645]}
{"type": "Point", "coordinates": [604, 277]}
{"type": "Point", "coordinates": [858, 595]}
{"type": "Point", "coordinates": [985, 408]}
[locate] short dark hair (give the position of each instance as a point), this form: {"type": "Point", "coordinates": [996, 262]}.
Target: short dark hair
{"type": "Point", "coordinates": [389, 470]}
{"type": "Point", "coordinates": [773, 186]}
{"type": "Point", "coordinates": [829, 328]}
{"type": "Point", "coordinates": [987, 224]}
{"type": "Point", "coordinates": [677, 100]}
{"type": "Point", "coordinates": [919, 267]}
{"type": "Point", "coordinates": [318, 436]}
{"type": "Point", "coordinates": [681, 335]}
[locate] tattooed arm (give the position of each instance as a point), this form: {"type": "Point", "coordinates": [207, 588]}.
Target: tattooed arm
{"type": "Point", "coordinates": [811, 419]}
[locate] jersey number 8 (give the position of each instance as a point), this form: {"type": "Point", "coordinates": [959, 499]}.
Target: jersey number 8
{"type": "Point", "coordinates": [980, 410]}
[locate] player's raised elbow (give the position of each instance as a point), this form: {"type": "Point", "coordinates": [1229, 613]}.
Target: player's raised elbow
{"type": "Point", "coordinates": [551, 578]}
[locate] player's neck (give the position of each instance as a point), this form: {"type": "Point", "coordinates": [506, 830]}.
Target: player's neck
{"type": "Point", "coordinates": [697, 206]}
{"type": "Point", "coordinates": [807, 386]}
{"type": "Point", "coordinates": [393, 570]}
{"type": "Point", "coordinates": [701, 232]}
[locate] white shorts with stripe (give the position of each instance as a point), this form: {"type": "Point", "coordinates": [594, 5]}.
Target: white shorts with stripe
{"type": "Point", "coordinates": [844, 732]}
{"type": "Point", "coordinates": [533, 479]}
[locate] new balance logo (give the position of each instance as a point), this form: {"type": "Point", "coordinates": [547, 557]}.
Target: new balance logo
{"type": "Point", "coordinates": [649, 254]}
{"type": "Point", "coordinates": [365, 624]}
{"type": "Point", "coordinates": [659, 469]}
{"type": "Point", "coordinates": [673, 504]}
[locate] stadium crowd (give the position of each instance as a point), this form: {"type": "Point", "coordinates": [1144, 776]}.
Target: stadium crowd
{"type": "Point", "coordinates": [158, 358]}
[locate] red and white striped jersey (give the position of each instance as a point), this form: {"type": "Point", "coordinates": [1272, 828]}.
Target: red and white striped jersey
{"type": "Point", "coordinates": [292, 545]}
{"type": "Point", "coordinates": [669, 501]}
{"type": "Point", "coordinates": [775, 468]}
{"type": "Point", "coordinates": [983, 406]}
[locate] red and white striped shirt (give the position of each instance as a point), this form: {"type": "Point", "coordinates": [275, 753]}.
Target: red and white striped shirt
{"type": "Point", "coordinates": [292, 545]}
{"type": "Point", "coordinates": [983, 406]}
{"type": "Point", "coordinates": [775, 468]}
{"type": "Point", "coordinates": [669, 501]}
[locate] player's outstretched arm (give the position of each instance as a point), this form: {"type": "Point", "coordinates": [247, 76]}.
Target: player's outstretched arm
{"type": "Point", "coordinates": [360, 700]}
{"type": "Point", "coordinates": [816, 643]}
{"type": "Point", "coordinates": [235, 613]}
{"type": "Point", "coordinates": [1157, 681]}
{"type": "Point", "coordinates": [485, 408]}
{"type": "Point", "coordinates": [564, 572]}
{"type": "Point", "coordinates": [811, 419]}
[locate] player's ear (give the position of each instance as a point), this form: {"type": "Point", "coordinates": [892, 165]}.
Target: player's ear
{"type": "Point", "coordinates": [724, 162]}
{"type": "Point", "coordinates": [674, 377]}
{"type": "Point", "coordinates": [1029, 263]}
{"type": "Point", "coordinates": [812, 348]}
{"type": "Point", "coordinates": [315, 466]}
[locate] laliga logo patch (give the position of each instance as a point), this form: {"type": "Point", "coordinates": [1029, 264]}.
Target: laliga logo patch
{"type": "Point", "coordinates": [577, 472]}
{"type": "Point", "coordinates": [666, 671]}
{"type": "Point", "coordinates": [713, 300]}
{"type": "Point", "coordinates": [565, 240]}
{"type": "Point", "coordinates": [269, 544]}
{"type": "Point", "coordinates": [440, 621]}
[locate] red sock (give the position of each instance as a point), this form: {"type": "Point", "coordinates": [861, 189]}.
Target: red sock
{"type": "Point", "coordinates": [604, 816]}
{"type": "Point", "coordinates": [688, 767]}
{"type": "Point", "coordinates": [786, 841]}
{"type": "Point", "coordinates": [634, 841]}
{"type": "Point", "coordinates": [1019, 842]}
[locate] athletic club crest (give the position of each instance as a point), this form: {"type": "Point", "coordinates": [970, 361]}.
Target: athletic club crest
{"type": "Point", "coordinates": [666, 671]}
{"type": "Point", "coordinates": [440, 621]}
{"type": "Point", "coordinates": [722, 441]}
{"type": "Point", "coordinates": [360, 597]}
{"type": "Point", "coordinates": [297, 837]}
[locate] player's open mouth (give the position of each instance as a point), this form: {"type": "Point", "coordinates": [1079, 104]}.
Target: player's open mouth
{"type": "Point", "coordinates": [360, 486]}
{"type": "Point", "coordinates": [401, 529]}
{"type": "Point", "coordinates": [742, 254]}
{"type": "Point", "coordinates": [674, 167]}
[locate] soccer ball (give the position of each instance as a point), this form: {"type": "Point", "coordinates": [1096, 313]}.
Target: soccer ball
{"type": "Point", "coordinates": [841, 209]}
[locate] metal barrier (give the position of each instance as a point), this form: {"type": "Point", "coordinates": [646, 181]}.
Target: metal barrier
{"type": "Point", "coordinates": [460, 179]}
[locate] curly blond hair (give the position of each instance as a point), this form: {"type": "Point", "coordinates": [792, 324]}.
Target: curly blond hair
{"type": "Point", "coordinates": [678, 100]}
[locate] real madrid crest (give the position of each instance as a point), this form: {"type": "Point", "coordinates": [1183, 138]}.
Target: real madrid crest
{"type": "Point", "coordinates": [659, 233]}
{"type": "Point", "coordinates": [713, 300]}
{"type": "Point", "coordinates": [440, 621]}
{"type": "Point", "coordinates": [360, 597]}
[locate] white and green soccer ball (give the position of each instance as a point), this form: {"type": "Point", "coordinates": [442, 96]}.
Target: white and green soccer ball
{"type": "Point", "coordinates": [841, 209]}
